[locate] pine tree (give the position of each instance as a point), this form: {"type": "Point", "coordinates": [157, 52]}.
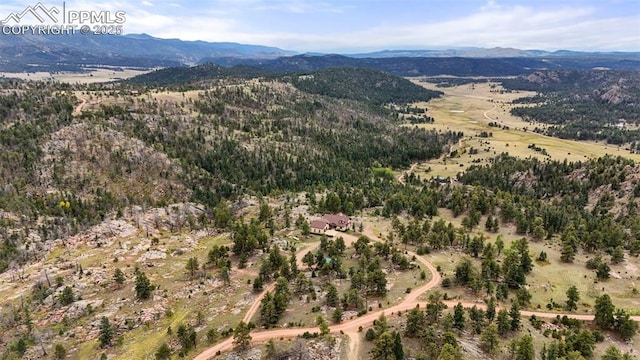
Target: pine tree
{"type": "Point", "coordinates": [67, 297]}
{"type": "Point", "coordinates": [332, 296]}
{"type": "Point", "coordinates": [336, 316]}
{"type": "Point", "coordinates": [143, 286]}
{"type": "Point", "coordinates": [504, 325]}
{"type": "Point", "coordinates": [604, 312]}
{"type": "Point", "coordinates": [514, 314]}
{"type": "Point", "coordinates": [269, 350]}
{"type": "Point", "coordinates": [525, 348]}
{"type": "Point", "coordinates": [163, 352]}
{"type": "Point", "coordinates": [416, 323]}
{"type": "Point", "coordinates": [59, 352]}
{"type": "Point", "coordinates": [398, 350]}
{"type": "Point", "coordinates": [489, 339]}
{"type": "Point", "coordinates": [449, 352]}
{"type": "Point", "coordinates": [383, 347]}
{"type": "Point", "coordinates": [568, 253]}
{"type": "Point", "coordinates": [458, 317]}
{"type": "Point", "coordinates": [192, 266]}
{"type": "Point", "coordinates": [118, 277]}
{"type": "Point", "coordinates": [624, 325]}
{"type": "Point", "coordinates": [106, 332]}
{"type": "Point", "coordinates": [322, 324]}
{"type": "Point", "coordinates": [242, 336]}
{"type": "Point", "coordinates": [491, 309]}
{"type": "Point", "coordinates": [572, 298]}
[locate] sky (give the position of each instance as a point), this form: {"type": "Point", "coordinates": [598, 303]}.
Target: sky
{"type": "Point", "coordinates": [351, 26]}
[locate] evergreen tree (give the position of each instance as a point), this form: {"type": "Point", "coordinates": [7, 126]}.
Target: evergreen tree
{"type": "Point", "coordinates": [118, 277]}
{"type": "Point", "coordinates": [67, 297]}
{"type": "Point", "coordinates": [106, 332]}
{"type": "Point", "coordinates": [163, 352]}
{"type": "Point", "coordinates": [491, 309]}
{"type": "Point", "coordinates": [143, 286]}
{"type": "Point", "coordinates": [322, 324]}
{"type": "Point", "coordinates": [458, 317]}
{"type": "Point", "coordinates": [269, 350]}
{"type": "Point", "coordinates": [525, 348]}
{"type": "Point", "coordinates": [435, 306]}
{"type": "Point", "coordinates": [602, 272]}
{"type": "Point", "coordinates": [499, 244]}
{"type": "Point", "coordinates": [568, 253]}
{"type": "Point", "coordinates": [624, 325]}
{"type": "Point", "coordinates": [489, 339]}
{"type": "Point", "coordinates": [192, 266]}
{"type": "Point", "coordinates": [572, 298]}
{"type": "Point", "coordinates": [416, 323]}
{"type": "Point", "coordinates": [604, 312]}
{"type": "Point", "coordinates": [504, 325]}
{"type": "Point", "coordinates": [242, 336]}
{"type": "Point", "coordinates": [612, 353]}
{"type": "Point", "coordinates": [398, 349]}
{"type": "Point", "coordinates": [336, 316]}
{"type": "Point", "coordinates": [332, 296]}
{"type": "Point", "coordinates": [383, 347]}
{"type": "Point", "coordinates": [449, 352]}
{"type": "Point", "coordinates": [514, 314]}
{"type": "Point", "coordinates": [59, 352]}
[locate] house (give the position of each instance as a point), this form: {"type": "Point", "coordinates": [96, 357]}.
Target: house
{"type": "Point", "coordinates": [338, 221]}
{"type": "Point", "coordinates": [319, 227]}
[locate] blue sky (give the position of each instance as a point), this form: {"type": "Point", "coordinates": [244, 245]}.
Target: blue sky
{"type": "Point", "coordinates": [367, 25]}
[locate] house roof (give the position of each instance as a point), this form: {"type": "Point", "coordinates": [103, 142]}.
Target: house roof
{"type": "Point", "coordinates": [318, 224]}
{"type": "Point", "coordinates": [336, 219]}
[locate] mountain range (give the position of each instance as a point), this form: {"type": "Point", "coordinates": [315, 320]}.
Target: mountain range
{"type": "Point", "coordinates": [75, 52]}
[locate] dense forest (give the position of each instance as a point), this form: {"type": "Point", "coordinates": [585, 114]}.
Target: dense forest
{"type": "Point", "coordinates": [367, 85]}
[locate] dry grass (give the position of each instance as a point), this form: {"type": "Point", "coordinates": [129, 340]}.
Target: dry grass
{"type": "Point", "coordinates": [90, 77]}
{"type": "Point", "coordinates": [552, 279]}
{"type": "Point", "coordinates": [470, 108]}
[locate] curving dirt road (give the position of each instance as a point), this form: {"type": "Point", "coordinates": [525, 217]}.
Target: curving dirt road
{"type": "Point", "coordinates": [486, 113]}
{"type": "Point", "coordinates": [404, 173]}
{"type": "Point", "coordinates": [78, 110]}
{"type": "Point", "coordinates": [350, 327]}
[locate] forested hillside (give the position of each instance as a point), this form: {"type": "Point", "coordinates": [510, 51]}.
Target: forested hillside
{"type": "Point", "coordinates": [366, 85]}
{"type": "Point", "coordinates": [583, 105]}
{"type": "Point", "coordinates": [226, 141]}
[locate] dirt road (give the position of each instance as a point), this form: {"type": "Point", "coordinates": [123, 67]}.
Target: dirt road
{"type": "Point", "coordinates": [78, 110]}
{"type": "Point", "coordinates": [404, 173]}
{"type": "Point", "coordinates": [350, 327]}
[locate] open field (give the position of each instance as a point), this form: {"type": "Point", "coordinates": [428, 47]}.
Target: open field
{"type": "Point", "coordinates": [89, 77]}
{"type": "Point", "coordinates": [470, 108]}
{"type": "Point", "coordinates": [551, 280]}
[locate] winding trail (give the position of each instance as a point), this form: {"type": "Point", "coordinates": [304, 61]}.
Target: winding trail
{"type": "Point", "coordinates": [405, 173]}
{"type": "Point", "coordinates": [350, 327]}
{"type": "Point", "coordinates": [486, 113]}
{"type": "Point", "coordinates": [78, 110]}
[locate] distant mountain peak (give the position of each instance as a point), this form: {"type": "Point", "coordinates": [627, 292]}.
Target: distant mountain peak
{"type": "Point", "coordinates": [142, 36]}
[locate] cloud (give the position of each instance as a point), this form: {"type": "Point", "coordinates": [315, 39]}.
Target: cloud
{"type": "Point", "coordinates": [495, 24]}
{"type": "Point", "coordinates": [491, 5]}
